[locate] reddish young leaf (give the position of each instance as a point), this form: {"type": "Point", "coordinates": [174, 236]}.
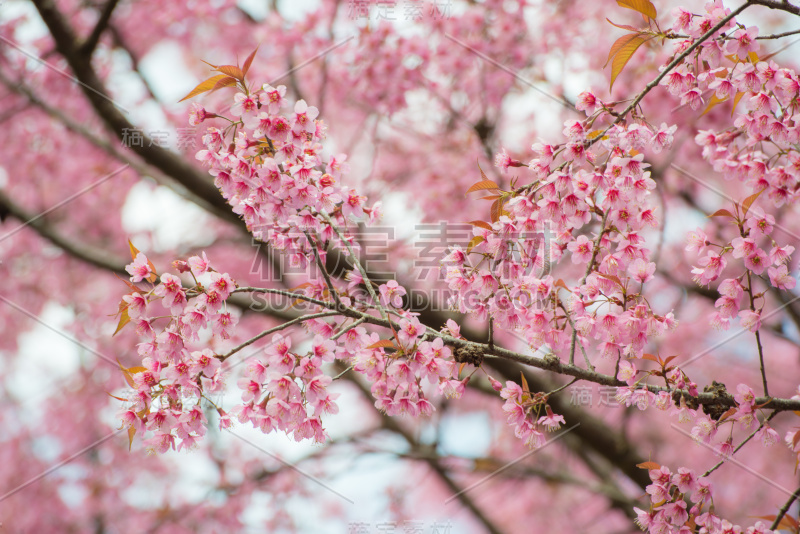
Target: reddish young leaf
{"type": "Point", "coordinates": [224, 82]}
{"type": "Point", "coordinates": [623, 26]}
{"type": "Point", "coordinates": [727, 414]}
{"type": "Point", "coordinates": [713, 103]}
{"type": "Point", "coordinates": [134, 252]}
{"type": "Point", "coordinates": [496, 210]}
{"type": "Point", "coordinates": [129, 284]}
{"type": "Point", "coordinates": [736, 99]}
{"type": "Point", "coordinates": [481, 224]}
{"type": "Point", "coordinates": [204, 86]}
{"type": "Point", "coordinates": [611, 277]}
{"type": "Point", "coordinates": [484, 185]}
{"type": "Point", "coordinates": [618, 44]}
{"type": "Point", "coordinates": [787, 522]}
{"type": "Point", "coordinates": [474, 242]}
{"type": "Point", "coordinates": [383, 344]}
{"type": "Point", "coordinates": [722, 213]}
{"type": "Point", "coordinates": [232, 71]}
{"type": "Point", "coordinates": [648, 465]}
{"type": "Point", "coordinates": [483, 174]}
{"type": "Point", "coordinates": [625, 53]}
{"type": "Point", "coordinates": [131, 434]}
{"type": "Point", "coordinates": [666, 362]}
{"type": "Point", "coordinates": [560, 283]}
{"type": "Point", "coordinates": [525, 386]}
{"type": "Point", "coordinates": [651, 357]}
{"type": "Point", "coordinates": [746, 203]}
{"type": "Point", "coordinates": [128, 376]}
{"type": "Point", "coordinates": [248, 62]}
{"type": "Point", "coordinates": [645, 7]}
{"type": "Point", "coordinates": [124, 319]}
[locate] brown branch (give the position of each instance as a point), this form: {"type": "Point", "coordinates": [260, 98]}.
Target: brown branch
{"type": "Point", "coordinates": [92, 256]}
{"type": "Point", "coordinates": [784, 509]}
{"type": "Point", "coordinates": [120, 42]}
{"type": "Point", "coordinates": [781, 5]}
{"type": "Point", "coordinates": [107, 147]}
{"type": "Point", "coordinates": [777, 35]}
{"type": "Point", "coordinates": [94, 90]}
{"type": "Point", "coordinates": [87, 47]}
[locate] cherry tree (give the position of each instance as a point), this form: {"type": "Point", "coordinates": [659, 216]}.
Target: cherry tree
{"type": "Point", "coordinates": [298, 252]}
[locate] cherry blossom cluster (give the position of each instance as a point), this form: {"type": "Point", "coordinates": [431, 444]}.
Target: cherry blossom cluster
{"type": "Point", "coordinates": [761, 147]}
{"type": "Point", "coordinates": [758, 259]}
{"type": "Point", "coordinates": [172, 380]}
{"type": "Point", "coordinates": [705, 426]}
{"type": "Point", "coordinates": [273, 174]}
{"type": "Point", "coordinates": [281, 390]}
{"type": "Point", "coordinates": [682, 501]}
{"type": "Point", "coordinates": [501, 275]}
{"type": "Point", "coordinates": [524, 412]}
{"type": "Point", "coordinates": [287, 391]}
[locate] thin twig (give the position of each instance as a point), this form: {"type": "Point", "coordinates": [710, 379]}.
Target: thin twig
{"type": "Point", "coordinates": [278, 328]}
{"type": "Point", "coordinates": [324, 271]}
{"type": "Point", "coordinates": [595, 252]}
{"type": "Point", "coordinates": [364, 275]}
{"type": "Point", "coordinates": [784, 509]}
{"type": "Point", "coordinates": [742, 444]}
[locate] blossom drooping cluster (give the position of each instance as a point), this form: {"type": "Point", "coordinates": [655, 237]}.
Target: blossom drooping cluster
{"type": "Point", "coordinates": [172, 380]}
{"type": "Point", "coordinates": [669, 511]}
{"type": "Point", "coordinates": [504, 275]}
{"type": "Point", "coordinates": [757, 257]}
{"type": "Point", "coordinates": [761, 148]}
{"type": "Point", "coordinates": [275, 177]}
{"type": "Point", "coordinates": [522, 408]}
{"type": "Point", "coordinates": [272, 177]}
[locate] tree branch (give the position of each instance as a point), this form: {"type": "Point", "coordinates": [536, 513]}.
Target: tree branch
{"type": "Point", "coordinates": [110, 149]}
{"type": "Point", "coordinates": [95, 91]}
{"type": "Point", "coordinates": [781, 5]}
{"type": "Point", "coordinates": [87, 47]}
{"type": "Point", "coordinates": [784, 509]}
